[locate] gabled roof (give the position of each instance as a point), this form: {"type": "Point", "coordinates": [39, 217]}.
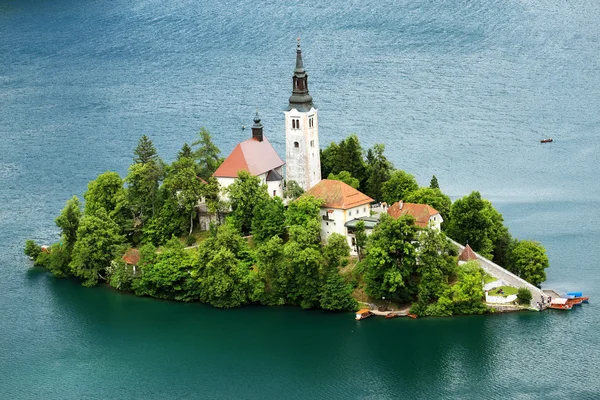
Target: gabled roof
{"type": "Point", "coordinates": [337, 194]}
{"type": "Point", "coordinates": [467, 254]}
{"type": "Point", "coordinates": [420, 212]}
{"type": "Point", "coordinates": [252, 155]}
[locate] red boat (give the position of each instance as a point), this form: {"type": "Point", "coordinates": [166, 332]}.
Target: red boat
{"type": "Point", "coordinates": [549, 140]}
{"type": "Point", "coordinates": [560, 304]}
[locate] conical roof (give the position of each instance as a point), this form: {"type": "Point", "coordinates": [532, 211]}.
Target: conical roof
{"type": "Point", "coordinates": [467, 254]}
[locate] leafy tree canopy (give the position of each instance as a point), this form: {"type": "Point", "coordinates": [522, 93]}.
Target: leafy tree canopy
{"type": "Point", "coordinates": [292, 190]}
{"type": "Point", "coordinates": [268, 220]}
{"type": "Point", "coordinates": [98, 242]}
{"type": "Point", "coordinates": [302, 210]}
{"type": "Point", "coordinates": [244, 195]}
{"type": "Point", "coordinates": [398, 187]}
{"type": "Point", "coordinates": [379, 170]}
{"type": "Point", "coordinates": [103, 192]}
{"type": "Point", "coordinates": [206, 154]}
{"type": "Point", "coordinates": [68, 222]}
{"type": "Point", "coordinates": [345, 177]}
{"type": "Point", "coordinates": [529, 260]}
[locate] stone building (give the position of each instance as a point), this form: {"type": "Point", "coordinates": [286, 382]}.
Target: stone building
{"type": "Point", "coordinates": [303, 162]}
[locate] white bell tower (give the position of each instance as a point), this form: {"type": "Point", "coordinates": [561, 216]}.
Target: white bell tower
{"type": "Point", "coordinates": [303, 160]}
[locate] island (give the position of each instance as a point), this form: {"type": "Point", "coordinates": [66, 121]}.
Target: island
{"type": "Point", "coordinates": [344, 230]}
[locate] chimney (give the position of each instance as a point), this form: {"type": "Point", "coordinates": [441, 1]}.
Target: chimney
{"type": "Point", "coordinates": [257, 128]}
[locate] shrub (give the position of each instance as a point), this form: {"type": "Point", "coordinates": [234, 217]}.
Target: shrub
{"type": "Point", "coordinates": [190, 241]}
{"type": "Point", "coordinates": [32, 249]}
{"type": "Point", "coordinates": [524, 296]}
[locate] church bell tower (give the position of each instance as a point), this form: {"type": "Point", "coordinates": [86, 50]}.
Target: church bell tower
{"type": "Point", "coordinates": [303, 161]}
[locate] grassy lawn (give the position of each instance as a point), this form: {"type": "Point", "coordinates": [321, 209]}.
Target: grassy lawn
{"type": "Point", "coordinates": [507, 290]}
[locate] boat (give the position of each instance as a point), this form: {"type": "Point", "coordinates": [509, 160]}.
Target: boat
{"type": "Point", "coordinates": [363, 313]}
{"type": "Point", "coordinates": [576, 298]}
{"type": "Point", "coordinates": [392, 315]}
{"type": "Point", "coordinates": [560, 304]}
{"type": "Point", "coordinates": [548, 140]}
{"type": "Point", "coordinates": [413, 316]}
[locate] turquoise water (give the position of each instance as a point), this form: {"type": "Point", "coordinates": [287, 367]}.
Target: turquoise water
{"type": "Point", "coordinates": [463, 90]}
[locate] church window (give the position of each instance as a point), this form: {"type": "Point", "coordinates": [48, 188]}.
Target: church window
{"type": "Point", "coordinates": [295, 123]}
{"type": "Point", "coordinates": [311, 122]}
{"type": "Point", "coordinates": [312, 143]}
{"type": "Point", "coordinates": [296, 144]}
{"type": "Point", "coordinates": [274, 193]}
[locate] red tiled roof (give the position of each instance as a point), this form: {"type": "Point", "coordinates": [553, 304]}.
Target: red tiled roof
{"type": "Point", "coordinates": [338, 194]}
{"type": "Point", "coordinates": [467, 254]}
{"type": "Point", "coordinates": [132, 256]}
{"type": "Point", "coordinates": [420, 212]}
{"type": "Point", "coordinates": [250, 155]}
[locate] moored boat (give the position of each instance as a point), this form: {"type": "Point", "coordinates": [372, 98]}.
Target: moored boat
{"type": "Point", "coordinates": [392, 315]}
{"type": "Point", "coordinates": [548, 140]}
{"type": "Point", "coordinates": [363, 313]}
{"type": "Point", "coordinates": [560, 304]}
{"type": "Point", "coordinates": [413, 316]}
{"type": "Point", "coordinates": [576, 298]}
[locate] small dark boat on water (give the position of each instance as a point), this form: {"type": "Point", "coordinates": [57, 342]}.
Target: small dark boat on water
{"type": "Point", "coordinates": [549, 140]}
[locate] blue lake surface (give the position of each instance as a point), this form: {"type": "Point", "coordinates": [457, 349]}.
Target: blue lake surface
{"type": "Point", "coordinates": [461, 89]}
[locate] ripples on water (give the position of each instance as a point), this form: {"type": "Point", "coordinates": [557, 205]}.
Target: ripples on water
{"type": "Point", "coordinates": [464, 90]}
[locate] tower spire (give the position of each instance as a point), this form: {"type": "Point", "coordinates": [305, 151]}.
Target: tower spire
{"type": "Point", "coordinates": [300, 99]}
{"type": "Point", "coordinates": [257, 128]}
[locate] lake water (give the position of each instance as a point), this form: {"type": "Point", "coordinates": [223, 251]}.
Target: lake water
{"type": "Point", "coordinates": [461, 89]}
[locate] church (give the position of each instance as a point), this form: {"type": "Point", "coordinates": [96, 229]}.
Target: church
{"type": "Point", "coordinates": [258, 157]}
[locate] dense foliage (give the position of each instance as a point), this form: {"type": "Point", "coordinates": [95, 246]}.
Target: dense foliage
{"type": "Point", "coordinates": [155, 207]}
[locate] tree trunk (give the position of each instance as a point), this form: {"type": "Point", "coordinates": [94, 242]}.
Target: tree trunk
{"type": "Point", "coordinates": [191, 222]}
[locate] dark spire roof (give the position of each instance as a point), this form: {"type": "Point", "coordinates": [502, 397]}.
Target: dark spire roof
{"type": "Point", "coordinates": [257, 128]}
{"type": "Point", "coordinates": [300, 99]}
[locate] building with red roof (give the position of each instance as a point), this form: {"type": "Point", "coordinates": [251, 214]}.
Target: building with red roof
{"type": "Point", "coordinates": [256, 156]}
{"type": "Point", "coordinates": [423, 214]}
{"type": "Point", "coordinates": [341, 204]}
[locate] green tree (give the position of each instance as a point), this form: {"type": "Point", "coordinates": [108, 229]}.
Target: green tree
{"type": "Point", "coordinates": [103, 192]}
{"type": "Point", "coordinates": [529, 260]}
{"type": "Point", "coordinates": [168, 276]}
{"type": "Point", "coordinates": [524, 296]}
{"type": "Point", "coordinates": [379, 170]}
{"type": "Point", "coordinates": [223, 270]}
{"type": "Point", "coordinates": [185, 152]}
{"type": "Point", "coordinates": [473, 220]}
{"type": "Point", "coordinates": [360, 238]}
{"type": "Point", "coordinates": [303, 210]}
{"type": "Point", "coordinates": [98, 242]}
{"type": "Point", "coordinates": [349, 158]}
{"type": "Point", "coordinates": [435, 198]}
{"type": "Point", "coordinates": [275, 272]}
{"type": "Point", "coordinates": [268, 220]}
{"type": "Point", "coordinates": [145, 152]}
{"type": "Point", "coordinates": [391, 259]}
{"type": "Point", "coordinates": [292, 190]}
{"type": "Point", "coordinates": [185, 187]}
{"type": "Point", "coordinates": [142, 189]}
{"type": "Point", "coordinates": [398, 187]}
{"type": "Point", "coordinates": [68, 222]}
{"type": "Point", "coordinates": [345, 177]}
{"type": "Point", "coordinates": [244, 195]}
{"type": "Point", "coordinates": [32, 249]}
{"type": "Point", "coordinates": [328, 159]}
{"type": "Point", "coordinates": [56, 260]}
{"type": "Point", "coordinates": [433, 184]}
{"type": "Point", "coordinates": [206, 154]}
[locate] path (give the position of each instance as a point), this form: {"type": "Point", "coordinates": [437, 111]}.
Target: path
{"type": "Point", "coordinates": [509, 278]}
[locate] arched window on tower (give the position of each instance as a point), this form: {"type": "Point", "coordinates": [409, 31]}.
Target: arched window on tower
{"type": "Point", "coordinates": [296, 144]}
